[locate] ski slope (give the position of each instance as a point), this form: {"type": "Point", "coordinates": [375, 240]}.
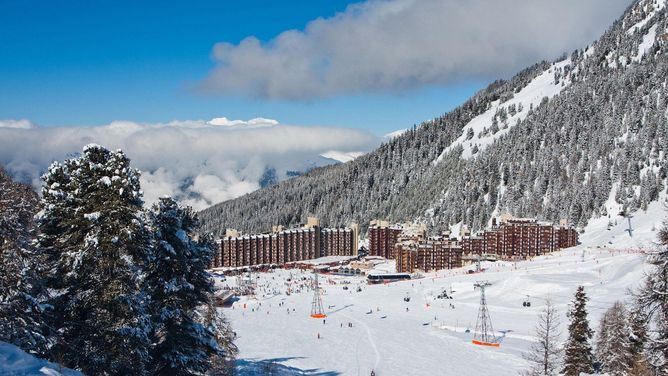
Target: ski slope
{"type": "Point", "coordinates": [426, 335]}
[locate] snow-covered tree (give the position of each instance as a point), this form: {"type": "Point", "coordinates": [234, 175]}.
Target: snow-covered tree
{"type": "Point", "coordinates": [638, 337]}
{"type": "Point", "coordinates": [578, 352]}
{"type": "Point", "coordinates": [96, 244]}
{"type": "Point", "coordinates": [21, 315]}
{"type": "Point", "coordinates": [222, 363]}
{"type": "Point", "coordinates": [653, 299]}
{"type": "Point", "coordinates": [544, 354]}
{"type": "Point", "coordinates": [614, 348]}
{"type": "Point", "coordinates": [179, 284]}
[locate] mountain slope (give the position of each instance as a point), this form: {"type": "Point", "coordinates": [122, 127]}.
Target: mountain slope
{"type": "Point", "coordinates": [555, 141]}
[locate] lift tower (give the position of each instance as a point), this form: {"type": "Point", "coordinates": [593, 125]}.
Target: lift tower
{"type": "Point", "coordinates": [316, 307]}
{"type": "Point", "coordinates": [484, 333]}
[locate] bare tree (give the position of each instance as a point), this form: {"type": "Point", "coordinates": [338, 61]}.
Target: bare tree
{"type": "Point", "coordinates": [544, 354]}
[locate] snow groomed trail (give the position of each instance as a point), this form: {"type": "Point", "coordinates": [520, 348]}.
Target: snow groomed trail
{"type": "Point", "coordinates": [375, 329]}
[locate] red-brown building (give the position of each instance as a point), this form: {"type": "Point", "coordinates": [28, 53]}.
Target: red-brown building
{"type": "Point", "coordinates": [283, 246]}
{"type": "Point", "coordinates": [427, 256]}
{"type": "Point", "coordinates": [520, 239]}
{"type": "Point", "coordinates": [382, 239]}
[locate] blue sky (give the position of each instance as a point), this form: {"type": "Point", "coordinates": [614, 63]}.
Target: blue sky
{"type": "Point", "coordinates": [147, 77]}
{"type": "Point", "coordinates": [378, 65]}
{"type": "Point", "coordinates": [92, 62]}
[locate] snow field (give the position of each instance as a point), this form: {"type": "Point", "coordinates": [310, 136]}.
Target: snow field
{"type": "Point", "coordinates": [430, 337]}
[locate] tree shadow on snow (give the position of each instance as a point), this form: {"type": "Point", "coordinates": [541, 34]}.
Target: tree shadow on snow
{"type": "Point", "coordinates": [273, 367]}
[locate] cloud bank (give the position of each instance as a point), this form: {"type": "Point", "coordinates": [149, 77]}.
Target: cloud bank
{"type": "Point", "coordinates": [198, 162]}
{"type": "Point", "coordinates": [378, 46]}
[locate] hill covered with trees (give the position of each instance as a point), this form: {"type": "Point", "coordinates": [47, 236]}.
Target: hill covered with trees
{"type": "Point", "coordinates": [559, 140]}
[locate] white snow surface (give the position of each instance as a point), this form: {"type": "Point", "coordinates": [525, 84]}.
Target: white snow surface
{"type": "Point", "coordinates": [341, 156]}
{"type": "Point", "coordinates": [430, 337]}
{"type": "Point", "coordinates": [15, 362]}
{"type": "Point", "coordinates": [612, 230]}
{"type": "Point", "coordinates": [647, 42]}
{"type": "Point", "coordinates": [532, 94]}
{"type": "Point", "coordinates": [395, 134]}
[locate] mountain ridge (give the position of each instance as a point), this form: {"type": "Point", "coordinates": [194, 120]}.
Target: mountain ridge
{"type": "Point", "coordinates": [557, 157]}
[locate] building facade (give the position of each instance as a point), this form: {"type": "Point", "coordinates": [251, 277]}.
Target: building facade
{"type": "Point", "coordinates": [519, 238]}
{"type": "Point", "coordinates": [427, 255]}
{"type": "Point", "coordinates": [383, 237]}
{"type": "Point", "coordinates": [285, 245]}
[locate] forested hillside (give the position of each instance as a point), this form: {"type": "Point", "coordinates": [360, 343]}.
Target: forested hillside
{"type": "Point", "coordinates": [558, 140]}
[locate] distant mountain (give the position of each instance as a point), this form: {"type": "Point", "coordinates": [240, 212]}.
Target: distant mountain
{"type": "Point", "coordinates": [580, 138]}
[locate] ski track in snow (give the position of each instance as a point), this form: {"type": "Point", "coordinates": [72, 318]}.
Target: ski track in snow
{"type": "Point", "coordinates": [430, 335]}
{"type": "Point", "coordinates": [369, 337]}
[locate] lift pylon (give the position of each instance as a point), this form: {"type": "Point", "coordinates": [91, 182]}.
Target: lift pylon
{"type": "Point", "coordinates": [316, 307]}
{"type": "Point", "coordinates": [484, 332]}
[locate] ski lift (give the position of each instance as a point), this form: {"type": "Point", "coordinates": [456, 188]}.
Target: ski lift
{"type": "Point", "coordinates": [527, 302]}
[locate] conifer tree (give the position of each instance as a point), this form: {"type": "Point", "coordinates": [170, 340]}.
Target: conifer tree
{"type": "Point", "coordinates": [95, 244]}
{"type": "Point", "coordinates": [222, 363]}
{"type": "Point", "coordinates": [614, 349]}
{"type": "Point", "coordinates": [179, 284]}
{"type": "Point", "coordinates": [578, 351]}
{"type": "Point", "coordinates": [638, 336]}
{"type": "Point", "coordinates": [21, 315]}
{"type": "Point", "coordinates": [544, 355]}
{"type": "Point", "coordinates": [653, 300]}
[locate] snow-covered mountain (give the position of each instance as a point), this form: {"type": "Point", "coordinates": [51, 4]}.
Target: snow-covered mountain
{"type": "Point", "coordinates": [568, 139]}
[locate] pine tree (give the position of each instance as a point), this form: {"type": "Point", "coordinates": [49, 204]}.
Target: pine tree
{"type": "Point", "coordinates": [544, 355]}
{"type": "Point", "coordinates": [653, 300]}
{"type": "Point", "coordinates": [222, 363]}
{"type": "Point", "coordinates": [578, 352]}
{"type": "Point", "coordinates": [638, 336]}
{"type": "Point", "coordinates": [178, 283]}
{"type": "Point", "coordinates": [614, 350]}
{"type": "Point", "coordinates": [21, 315]}
{"type": "Point", "coordinates": [95, 243]}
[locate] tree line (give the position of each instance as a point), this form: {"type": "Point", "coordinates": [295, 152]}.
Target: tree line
{"type": "Point", "coordinates": [632, 339]}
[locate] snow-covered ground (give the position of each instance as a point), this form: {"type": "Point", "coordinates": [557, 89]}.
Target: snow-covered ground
{"type": "Point", "coordinates": [426, 335]}
{"type": "Point", "coordinates": [15, 362]}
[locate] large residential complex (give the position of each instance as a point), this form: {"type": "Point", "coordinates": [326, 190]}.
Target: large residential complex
{"type": "Point", "coordinates": [519, 238]}
{"type": "Point", "coordinates": [508, 238]}
{"type": "Point", "coordinates": [282, 246]}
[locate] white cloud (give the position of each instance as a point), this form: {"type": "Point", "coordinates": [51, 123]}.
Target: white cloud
{"type": "Point", "coordinates": [21, 124]}
{"type": "Point", "coordinates": [195, 161]}
{"type": "Point", "coordinates": [402, 44]}
{"type": "Point", "coordinates": [252, 123]}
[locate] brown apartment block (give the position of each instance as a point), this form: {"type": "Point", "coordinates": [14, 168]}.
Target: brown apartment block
{"type": "Point", "coordinates": [283, 246]}
{"type": "Point", "coordinates": [519, 239]}
{"type": "Point", "coordinates": [382, 238]}
{"type": "Point", "coordinates": [513, 238]}
{"type": "Point", "coordinates": [427, 256]}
